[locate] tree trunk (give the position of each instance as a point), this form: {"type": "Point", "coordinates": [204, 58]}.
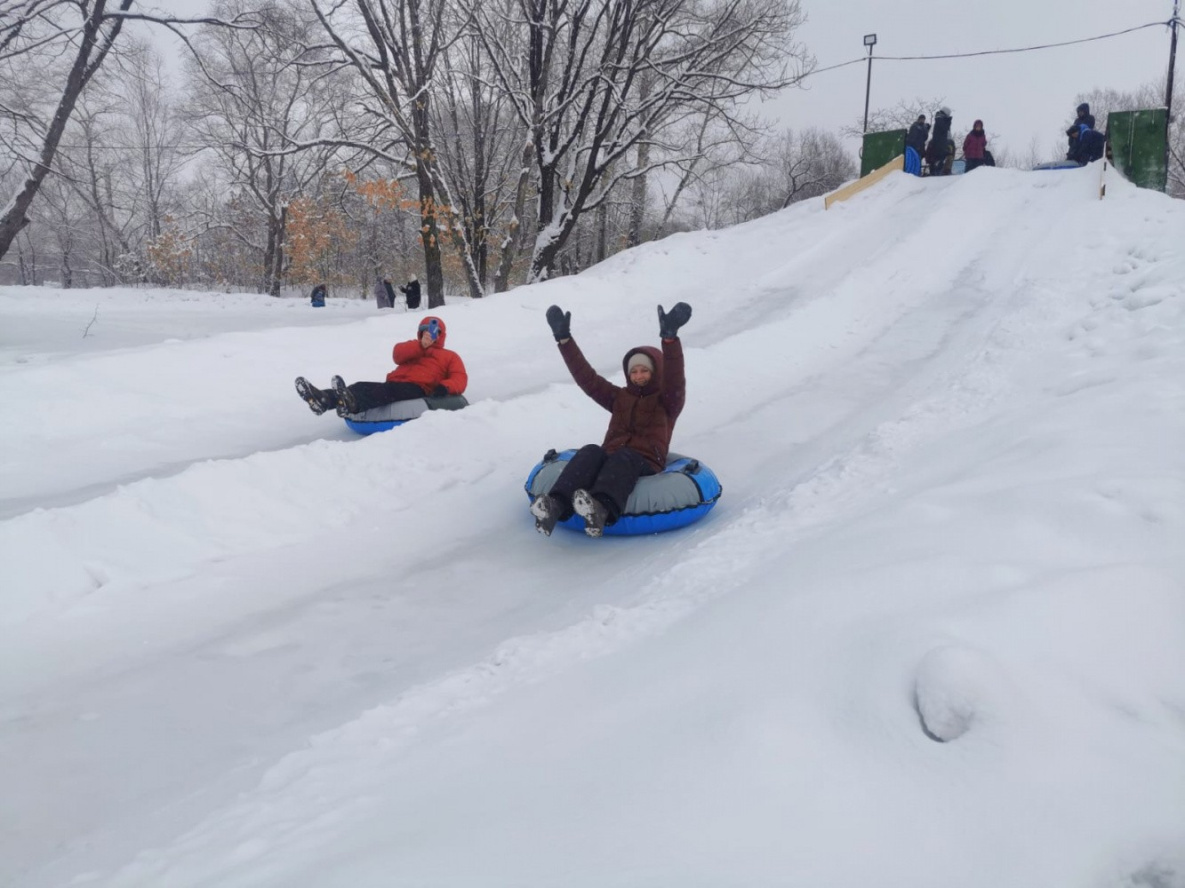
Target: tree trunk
{"type": "Point", "coordinates": [277, 274]}
{"type": "Point", "coordinates": [430, 237]}
{"type": "Point", "coordinates": [429, 223]}
{"type": "Point", "coordinates": [269, 258]}
{"type": "Point", "coordinates": [601, 251]}
{"type": "Point", "coordinates": [552, 232]}
{"type": "Point", "coordinates": [638, 198]}
{"type": "Point", "coordinates": [512, 244]}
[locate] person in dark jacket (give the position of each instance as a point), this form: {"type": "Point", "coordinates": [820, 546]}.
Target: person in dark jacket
{"type": "Point", "coordinates": [597, 482]}
{"type": "Point", "coordinates": [939, 147]}
{"type": "Point", "coordinates": [974, 146]}
{"type": "Point", "coordinates": [1084, 117]}
{"type": "Point", "coordinates": [390, 292]}
{"type": "Point", "coordinates": [915, 141]}
{"type": "Point", "coordinates": [423, 368]}
{"type": "Point", "coordinates": [411, 290]}
{"type": "Point", "coordinates": [1087, 146]}
{"type": "Point", "coordinates": [318, 296]}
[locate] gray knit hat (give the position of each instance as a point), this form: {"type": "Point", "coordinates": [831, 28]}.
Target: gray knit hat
{"type": "Point", "coordinates": [640, 358]}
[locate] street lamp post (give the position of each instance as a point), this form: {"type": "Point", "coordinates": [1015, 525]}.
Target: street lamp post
{"type": "Point", "coordinates": [870, 42]}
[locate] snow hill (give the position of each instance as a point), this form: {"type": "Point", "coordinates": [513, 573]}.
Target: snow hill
{"type": "Point", "coordinates": [932, 635]}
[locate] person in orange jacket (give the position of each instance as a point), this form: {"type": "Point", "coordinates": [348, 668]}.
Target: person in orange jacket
{"type": "Point", "coordinates": [424, 368]}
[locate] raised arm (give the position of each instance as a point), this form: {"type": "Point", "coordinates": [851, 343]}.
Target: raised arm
{"type": "Point", "coordinates": [591, 383]}
{"type": "Point", "coordinates": [674, 381]}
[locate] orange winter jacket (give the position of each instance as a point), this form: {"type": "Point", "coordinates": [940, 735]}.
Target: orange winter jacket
{"type": "Point", "coordinates": [431, 366]}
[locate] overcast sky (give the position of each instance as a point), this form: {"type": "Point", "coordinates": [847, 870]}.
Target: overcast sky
{"type": "Point", "coordinates": [1020, 96]}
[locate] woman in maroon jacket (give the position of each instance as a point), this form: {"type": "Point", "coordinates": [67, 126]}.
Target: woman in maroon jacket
{"type": "Point", "coordinates": [598, 480]}
{"type": "Point", "coordinates": [973, 146]}
{"type": "Point", "coordinates": [423, 368]}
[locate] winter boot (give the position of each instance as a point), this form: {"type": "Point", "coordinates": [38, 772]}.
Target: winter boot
{"type": "Point", "coordinates": [592, 510]}
{"type": "Point", "coordinates": [547, 513]}
{"type": "Point", "coordinates": [317, 400]}
{"type": "Point", "coordinates": [346, 404]}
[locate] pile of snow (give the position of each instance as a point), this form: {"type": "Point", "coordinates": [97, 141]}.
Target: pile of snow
{"type": "Point", "coordinates": [933, 634]}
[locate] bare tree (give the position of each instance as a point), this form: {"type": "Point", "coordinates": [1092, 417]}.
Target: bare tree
{"type": "Point", "coordinates": [899, 116]}
{"type": "Point", "coordinates": [597, 79]}
{"type": "Point", "coordinates": [478, 155]}
{"type": "Point", "coordinates": [396, 46]}
{"type": "Point", "coordinates": [85, 29]}
{"type": "Point", "coordinates": [60, 45]}
{"type": "Point", "coordinates": [809, 164]}
{"type": "Point", "coordinates": [712, 143]}
{"type": "Point", "coordinates": [794, 166]}
{"type": "Point", "coordinates": [254, 94]}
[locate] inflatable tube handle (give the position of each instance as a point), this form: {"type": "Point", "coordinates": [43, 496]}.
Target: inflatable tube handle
{"type": "Point", "coordinates": [550, 456]}
{"type": "Point", "coordinates": [691, 468]}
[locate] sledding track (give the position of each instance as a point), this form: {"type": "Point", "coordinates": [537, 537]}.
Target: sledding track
{"type": "Point", "coordinates": [422, 589]}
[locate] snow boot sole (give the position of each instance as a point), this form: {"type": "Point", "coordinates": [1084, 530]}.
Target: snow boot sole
{"type": "Point", "coordinates": [593, 512]}
{"type": "Point", "coordinates": [546, 512]}
{"type": "Point", "coordinates": [311, 395]}
{"type": "Point", "coordinates": [346, 404]}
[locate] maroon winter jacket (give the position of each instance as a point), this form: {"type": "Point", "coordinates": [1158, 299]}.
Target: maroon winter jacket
{"type": "Point", "coordinates": [974, 144]}
{"type": "Point", "coordinates": [642, 418]}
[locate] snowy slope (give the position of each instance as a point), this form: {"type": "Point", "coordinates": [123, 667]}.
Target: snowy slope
{"type": "Point", "coordinates": [933, 634]}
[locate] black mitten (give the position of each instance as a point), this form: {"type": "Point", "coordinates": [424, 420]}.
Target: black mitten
{"type": "Point", "coordinates": [561, 323]}
{"type": "Point", "coordinates": [440, 392]}
{"type": "Point", "coordinates": [670, 322]}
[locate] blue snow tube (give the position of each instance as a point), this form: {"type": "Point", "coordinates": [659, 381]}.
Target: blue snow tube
{"type": "Point", "coordinates": [913, 161]}
{"type": "Point", "coordinates": [681, 494]}
{"type": "Point", "coordinates": [385, 418]}
{"type": "Point", "coordinates": [1058, 165]}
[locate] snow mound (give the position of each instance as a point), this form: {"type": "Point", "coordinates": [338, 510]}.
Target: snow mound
{"type": "Point", "coordinates": [957, 688]}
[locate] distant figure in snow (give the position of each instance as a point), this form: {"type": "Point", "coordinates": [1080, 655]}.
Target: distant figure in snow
{"type": "Point", "coordinates": [939, 147]}
{"type": "Point", "coordinates": [318, 296]}
{"type": "Point", "coordinates": [915, 141]}
{"type": "Point", "coordinates": [1087, 146]}
{"type": "Point", "coordinates": [390, 292]}
{"type": "Point", "coordinates": [411, 290]}
{"type": "Point", "coordinates": [1084, 117]}
{"type": "Point", "coordinates": [974, 146]}
{"type": "Point", "coordinates": [423, 368]}
{"type": "Point", "coordinates": [597, 482]}
{"type": "Point", "coordinates": [380, 293]}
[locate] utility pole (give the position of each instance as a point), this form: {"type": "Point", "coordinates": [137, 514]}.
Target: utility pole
{"type": "Point", "coordinates": [1168, 88]}
{"type": "Point", "coordinates": [870, 42]}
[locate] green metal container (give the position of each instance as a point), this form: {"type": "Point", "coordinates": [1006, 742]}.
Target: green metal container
{"type": "Point", "coordinates": [1139, 145]}
{"type": "Point", "coordinates": [880, 148]}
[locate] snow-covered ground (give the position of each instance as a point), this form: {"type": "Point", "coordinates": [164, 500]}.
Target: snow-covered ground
{"type": "Point", "coordinates": [932, 635]}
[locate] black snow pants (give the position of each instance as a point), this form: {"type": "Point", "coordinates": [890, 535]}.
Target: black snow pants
{"type": "Point", "coordinates": [369, 395]}
{"type": "Point", "coordinates": [610, 477]}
